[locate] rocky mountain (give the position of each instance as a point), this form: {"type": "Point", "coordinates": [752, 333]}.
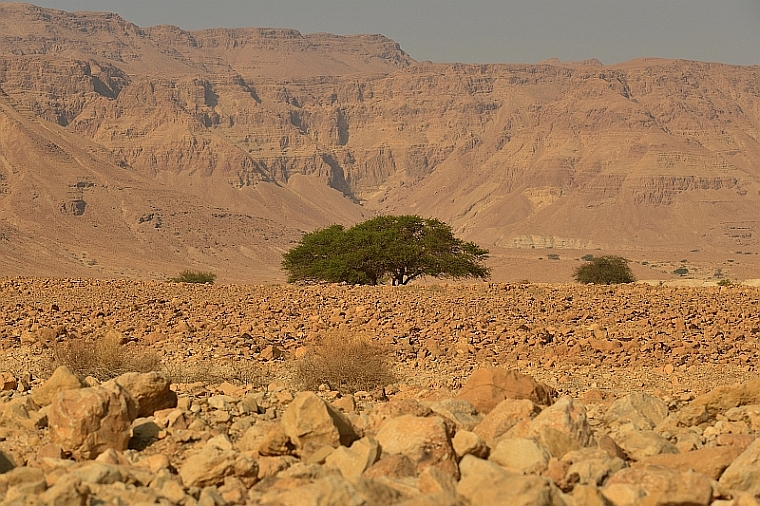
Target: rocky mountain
{"type": "Point", "coordinates": [137, 151]}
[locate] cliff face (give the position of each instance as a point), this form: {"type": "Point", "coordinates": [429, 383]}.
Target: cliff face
{"type": "Point", "coordinates": [304, 130]}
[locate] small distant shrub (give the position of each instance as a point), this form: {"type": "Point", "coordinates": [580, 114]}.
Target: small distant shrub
{"type": "Point", "coordinates": [725, 282]}
{"type": "Point", "coordinates": [644, 262]}
{"type": "Point", "coordinates": [684, 261]}
{"type": "Point", "coordinates": [681, 271]}
{"type": "Point", "coordinates": [587, 257]}
{"type": "Point", "coordinates": [552, 256]}
{"type": "Point", "coordinates": [194, 277]}
{"type": "Point", "coordinates": [605, 270]}
{"type": "Point", "coordinates": [104, 357]}
{"type": "Point", "coordinates": [345, 363]}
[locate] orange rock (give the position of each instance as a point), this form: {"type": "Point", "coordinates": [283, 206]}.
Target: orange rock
{"type": "Point", "coordinates": [87, 421]}
{"type": "Point", "coordinates": [740, 441]}
{"type": "Point", "coordinates": [708, 461]}
{"type": "Point", "coordinates": [7, 381]}
{"type": "Point", "coordinates": [486, 388]}
{"type": "Point", "coordinates": [426, 441]}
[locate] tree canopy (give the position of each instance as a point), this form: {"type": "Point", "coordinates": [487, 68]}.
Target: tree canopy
{"type": "Point", "coordinates": [605, 270]}
{"type": "Point", "coordinates": [395, 249]}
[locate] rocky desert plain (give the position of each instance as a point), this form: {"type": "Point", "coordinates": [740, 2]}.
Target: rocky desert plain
{"type": "Point", "coordinates": [128, 154]}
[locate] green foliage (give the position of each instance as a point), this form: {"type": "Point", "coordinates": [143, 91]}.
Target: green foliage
{"type": "Point", "coordinates": [188, 276]}
{"type": "Point", "coordinates": [725, 282]}
{"type": "Point", "coordinates": [681, 271]}
{"type": "Point", "coordinates": [395, 249]}
{"type": "Point", "coordinates": [587, 257]}
{"type": "Point", "coordinates": [605, 270]}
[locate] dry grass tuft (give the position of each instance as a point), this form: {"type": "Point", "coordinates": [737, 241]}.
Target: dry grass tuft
{"type": "Point", "coordinates": [103, 357]}
{"type": "Point", "coordinates": [347, 363]}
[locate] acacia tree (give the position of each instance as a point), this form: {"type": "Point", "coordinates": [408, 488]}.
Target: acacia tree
{"type": "Point", "coordinates": [395, 249]}
{"type": "Point", "coordinates": [605, 270]}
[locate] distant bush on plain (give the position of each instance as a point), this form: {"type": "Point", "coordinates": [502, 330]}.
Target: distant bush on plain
{"type": "Point", "coordinates": [605, 270]}
{"type": "Point", "coordinates": [188, 276]}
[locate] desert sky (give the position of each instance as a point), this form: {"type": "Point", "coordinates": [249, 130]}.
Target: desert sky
{"type": "Point", "coordinates": [485, 31]}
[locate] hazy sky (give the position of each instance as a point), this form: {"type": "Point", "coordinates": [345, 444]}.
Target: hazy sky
{"type": "Point", "coordinates": [488, 31]}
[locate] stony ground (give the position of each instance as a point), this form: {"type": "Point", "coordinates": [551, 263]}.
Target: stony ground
{"type": "Point", "coordinates": [572, 395]}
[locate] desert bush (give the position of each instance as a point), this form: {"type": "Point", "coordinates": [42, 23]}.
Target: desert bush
{"type": "Point", "coordinates": [188, 276]}
{"type": "Point", "coordinates": [346, 363]}
{"type": "Point", "coordinates": [552, 256]}
{"type": "Point", "coordinates": [103, 357]}
{"type": "Point", "coordinates": [588, 257]}
{"type": "Point", "coordinates": [725, 282]}
{"type": "Point", "coordinates": [681, 271]}
{"type": "Point", "coordinates": [605, 270]}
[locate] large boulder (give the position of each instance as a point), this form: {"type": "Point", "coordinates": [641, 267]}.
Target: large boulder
{"type": "Point", "coordinates": [311, 423]}
{"type": "Point", "coordinates": [487, 387]}
{"type": "Point", "coordinates": [395, 408]}
{"type": "Point", "coordinates": [524, 455]}
{"type": "Point", "coordinates": [22, 479]}
{"type": "Point", "coordinates": [637, 411]}
{"type": "Point", "coordinates": [503, 417]}
{"type": "Point", "coordinates": [19, 412]}
{"type": "Point", "coordinates": [469, 443]}
{"type": "Point", "coordinates": [393, 466]}
{"type": "Point", "coordinates": [333, 490]}
{"type": "Point", "coordinates": [63, 378]}
{"type": "Point", "coordinates": [562, 427]}
{"type": "Point", "coordinates": [711, 462]}
{"type": "Point", "coordinates": [459, 411]}
{"type": "Point", "coordinates": [484, 482]}
{"type": "Point", "coordinates": [658, 486]}
{"type": "Point", "coordinates": [353, 461]}
{"type": "Point", "coordinates": [726, 397]}
{"type": "Point", "coordinates": [87, 421]}
{"type": "Point", "coordinates": [425, 440]}
{"type": "Point", "coordinates": [589, 466]}
{"type": "Point", "coordinates": [151, 391]}
{"type": "Point", "coordinates": [214, 463]}
{"type": "Point", "coordinates": [744, 472]}
{"type": "Point", "coordinates": [266, 438]}
{"type": "Point", "coordinates": [639, 445]}
{"type": "Point", "coordinates": [7, 381]}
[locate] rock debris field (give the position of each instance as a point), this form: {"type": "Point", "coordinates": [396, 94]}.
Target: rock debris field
{"type": "Point", "coordinates": [501, 394]}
